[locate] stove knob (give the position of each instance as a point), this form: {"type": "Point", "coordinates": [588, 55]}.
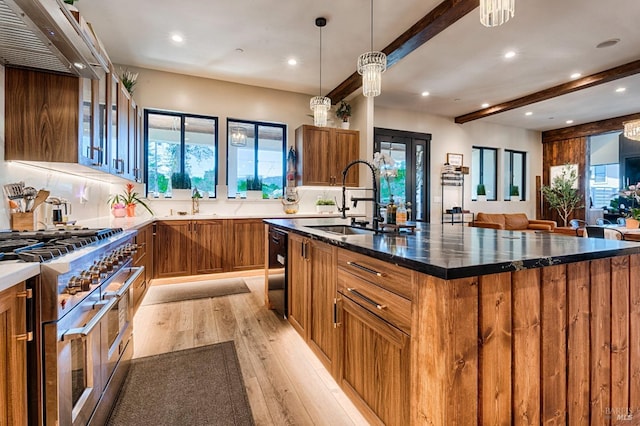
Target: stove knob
{"type": "Point", "coordinates": [73, 286]}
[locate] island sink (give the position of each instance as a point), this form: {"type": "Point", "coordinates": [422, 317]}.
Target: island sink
{"type": "Point", "coordinates": [342, 229]}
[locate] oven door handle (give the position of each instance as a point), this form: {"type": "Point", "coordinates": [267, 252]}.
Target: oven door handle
{"type": "Point", "coordinates": [125, 287]}
{"type": "Point", "coordinates": [74, 333]}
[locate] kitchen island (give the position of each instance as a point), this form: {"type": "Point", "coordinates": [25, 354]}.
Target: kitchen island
{"type": "Point", "coordinates": [470, 325]}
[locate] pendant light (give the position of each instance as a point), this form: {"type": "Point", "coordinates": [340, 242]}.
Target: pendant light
{"type": "Point", "coordinates": [371, 65]}
{"type": "Point", "coordinates": [238, 136]}
{"type": "Point", "coordinates": [496, 12]}
{"type": "Point", "coordinates": [632, 130]}
{"type": "Point", "coordinates": [320, 104]}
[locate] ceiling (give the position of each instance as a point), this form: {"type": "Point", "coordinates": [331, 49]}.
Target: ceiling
{"type": "Point", "coordinates": [250, 41]}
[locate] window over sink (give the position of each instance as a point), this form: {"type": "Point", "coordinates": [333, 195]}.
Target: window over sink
{"type": "Point", "coordinates": [182, 152]}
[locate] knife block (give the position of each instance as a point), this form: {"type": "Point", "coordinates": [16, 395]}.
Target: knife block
{"type": "Point", "coordinates": [22, 221]}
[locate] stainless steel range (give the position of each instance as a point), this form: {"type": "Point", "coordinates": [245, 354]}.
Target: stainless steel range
{"type": "Point", "coordinates": [83, 320]}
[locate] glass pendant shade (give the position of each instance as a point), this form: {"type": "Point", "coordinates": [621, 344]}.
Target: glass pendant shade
{"type": "Point", "coordinates": [632, 130]}
{"type": "Point", "coordinates": [496, 12]}
{"type": "Point", "coordinates": [320, 106]}
{"type": "Point", "coordinates": [238, 137]}
{"type": "Point", "coordinates": [371, 65]}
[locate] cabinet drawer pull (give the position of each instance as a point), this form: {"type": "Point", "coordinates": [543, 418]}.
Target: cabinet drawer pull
{"type": "Point", "coordinates": [364, 268]}
{"type": "Point", "coordinates": [366, 299]}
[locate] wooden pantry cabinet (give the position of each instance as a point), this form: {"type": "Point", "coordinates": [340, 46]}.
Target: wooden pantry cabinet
{"type": "Point", "coordinates": [13, 358]}
{"type": "Point", "coordinates": [62, 120]}
{"type": "Point", "coordinates": [323, 152]}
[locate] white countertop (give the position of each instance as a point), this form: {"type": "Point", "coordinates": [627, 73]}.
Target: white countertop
{"type": "Point", "coordinates": [14, 273]}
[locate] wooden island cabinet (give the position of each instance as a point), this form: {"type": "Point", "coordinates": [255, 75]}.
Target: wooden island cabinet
{"type": "Point", "coordinates": [553, 342]}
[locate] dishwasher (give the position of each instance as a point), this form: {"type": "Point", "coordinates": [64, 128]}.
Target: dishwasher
{"type": "Point", "coordinates": [277, 271]}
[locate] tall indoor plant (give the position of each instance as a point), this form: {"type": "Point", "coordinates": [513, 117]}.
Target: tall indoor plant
{"type": "Point", "coordinates": [562, 194]}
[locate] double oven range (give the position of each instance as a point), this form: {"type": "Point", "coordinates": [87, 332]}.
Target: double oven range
{"type": "Point", "coordinates": [81, 313]}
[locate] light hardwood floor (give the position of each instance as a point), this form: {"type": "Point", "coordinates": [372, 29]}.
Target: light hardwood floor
{"type": "Point", "coordinates": [286, 383]}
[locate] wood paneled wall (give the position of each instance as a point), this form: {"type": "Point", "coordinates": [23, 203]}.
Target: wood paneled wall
{"type": "Point", "coordinates": [555, 345]}
{"type": "Point", "coordinates": [561, 152]}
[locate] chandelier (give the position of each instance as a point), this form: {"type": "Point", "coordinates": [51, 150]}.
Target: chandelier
{"type": "Point", "coordinates": [320, 104]}
{"type": "Point", "coordinates": [496, 12]}
{"type": "Point", "coordinates": [371, 65]}
{"type": "Point", "coordinates": [632, 130]}
{"type": "Point", "coordinates": [238, 136]}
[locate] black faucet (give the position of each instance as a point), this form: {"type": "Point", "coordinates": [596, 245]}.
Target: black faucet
{"type": "Point", "coordinates": [376, 219]}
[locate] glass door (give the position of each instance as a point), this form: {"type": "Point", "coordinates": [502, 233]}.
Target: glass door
{"type": "Point", "coordinates": [410, 154]}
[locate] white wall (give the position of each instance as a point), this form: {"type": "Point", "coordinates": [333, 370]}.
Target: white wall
{"type": "Point", "coordinates": [446, 136]}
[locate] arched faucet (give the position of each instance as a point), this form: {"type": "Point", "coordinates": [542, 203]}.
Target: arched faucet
{"type": "Point", "coordinates": [376, 219]}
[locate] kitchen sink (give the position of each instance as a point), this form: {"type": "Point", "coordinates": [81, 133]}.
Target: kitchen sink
{"type": "Point", "coordinates": [342, 229]}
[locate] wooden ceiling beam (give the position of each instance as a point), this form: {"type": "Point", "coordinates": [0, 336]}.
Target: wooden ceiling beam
{"type": "Point", "coordinates": [588, 129]}
{"type": "Point", "coordinates": [433, 23]}
{"type": "Point", "coordinates": [603, 77]}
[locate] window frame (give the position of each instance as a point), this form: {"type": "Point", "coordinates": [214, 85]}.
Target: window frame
{"type": "Point", "coordinates": [183, 149]}
{"type": "Point", "coordinates": [509, 172]}
{"type": "Point", "coordinates": [482, 149]}
{"type": "Point", "coordinates": [256, 125]}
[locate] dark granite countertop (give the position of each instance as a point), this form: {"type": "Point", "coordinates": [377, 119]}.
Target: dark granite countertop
{"type": "Point", "coordinates": [451, 252]}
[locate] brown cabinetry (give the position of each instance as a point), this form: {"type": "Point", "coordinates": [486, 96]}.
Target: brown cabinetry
{"type": "Point", "coordinates": [188, 247]}
{"type": "Point", "coordinates": [143, 257]}
{"type": "Point", "coordinates": [298, 285]}
{"type": "Point", "coordinates": [246, 240]}
{"type": "Point", "coordinates": [324, 152]}
{"type": "Point", "coordinates": [60, 120]}
{"type": "Point", "coordinates": [13, 364]}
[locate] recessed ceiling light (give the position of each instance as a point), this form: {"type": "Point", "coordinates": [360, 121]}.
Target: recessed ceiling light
{"type": "Point", "coordinates": [576, 75]}
{"type": "Point", "coordinates": [608, 43]}
{"type": "Point", "coordinates": [425, 93]}
{"type": "Point", "coordinates": [528, 113]}
{"type": "Point", "coordinates": [177, 38]}
{"type": "Point", "coordinates": [485, 105]}
{"type": "Point", "coordinates": [621, 89]}
{"type": "Point", "coordinates": [292, 62]}
{"type": "Point", "coordinates": [239, 50]}
{"type": "Point", "coordinates": [510, 54]}
{"type": "Point", "coordinates": [569, 121]}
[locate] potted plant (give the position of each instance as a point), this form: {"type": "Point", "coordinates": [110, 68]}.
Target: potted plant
{"type": "Point", "coordinates": [195, 201]}
{"type": "Point", "coordinates": [561, 194]}
{"type": "Point", "coordinates": [515, 193]}
{"type": "Point", "coordinates": [69, 5]}
{"type": "Point", "coordinates": [325, 205]}
{"type": "Point", "coordinates": [343, 112]}
{"type": "Point", "coordinates": [127, 201]}
{"type": "Point", "coordinates": [128, 80]}
{"type": "Point", "coordinates": [481, 192]}
{"type": "Point", "coordinates": [254, 188]}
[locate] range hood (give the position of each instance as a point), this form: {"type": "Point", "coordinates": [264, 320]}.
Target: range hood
{"type": "Point", "coordinates": [43, 34]}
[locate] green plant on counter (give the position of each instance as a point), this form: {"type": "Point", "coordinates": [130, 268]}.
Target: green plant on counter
{"type": "Point", "coordinates": [180, 181]}
{"type": "Point", "coordinates": [481, 189]}
{"type": "Point", "coordinates": [196, 194]}
{"type": "Point", "coordinates": [127, 198]}
{"type": "Point", "coordinates": [515, 191]}
{"type": "Point", "coordinates": [325, 202]}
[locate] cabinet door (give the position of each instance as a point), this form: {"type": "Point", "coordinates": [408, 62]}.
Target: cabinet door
{"type": "Point", "coordinates": [138, 160]}
{"type": "Point", "coordinates": [122, 165]}
{"type": "Point", "coordinates": [322, 293]}
{"type": "Point", "coordinates": [87, 108]}
{"type": "Point", "coordinates": [172, 254]}
{"type": "Point", "coordinates": [207, 246]}
{"type": "Point", "coordinates": [41, 116]}
{"type": "Point", "coordinates": [313, 148]}
{"type": "Point", "coordinates": [142, 258]}
{"type": "Point", "coordinates": [13, 364]}
{"type": "Point", "coordinates": [112, 123]}
{"type": "Point", "coordinates": [247, 244]}
{"type": "Point", "coordinates": [346, 148]}
{"type": "Point", "coordinates": [375, 365]}
{"type": "Point", "coordinates": [298, 279]}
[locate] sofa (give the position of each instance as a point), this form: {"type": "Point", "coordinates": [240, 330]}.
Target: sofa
{"type": "Point", "coordinates": [512, 222]}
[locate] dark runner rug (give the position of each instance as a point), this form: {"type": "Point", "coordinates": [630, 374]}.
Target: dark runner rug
{"type": "Point", "coordinates": [199, 386]}
{"type": "Point", "coordinates": [194, 290]}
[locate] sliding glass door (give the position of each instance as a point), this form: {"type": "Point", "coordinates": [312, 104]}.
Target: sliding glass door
{"type": "Point", "coordinates": [410, 154]}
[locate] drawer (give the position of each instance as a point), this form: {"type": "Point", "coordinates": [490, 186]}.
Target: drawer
{"type": "Point", "coordinates": [392, 277]}
{"type": "Point", "coordinates": [387, 305]}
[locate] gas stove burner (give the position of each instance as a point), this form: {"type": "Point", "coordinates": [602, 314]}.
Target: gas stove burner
{"type": "Point", "coordinates": [12, 244]}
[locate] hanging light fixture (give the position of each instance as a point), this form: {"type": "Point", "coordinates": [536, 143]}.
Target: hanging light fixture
{"type": "Point", "coordinates": [371, 65]}
{"type": "Point", "coordinates": [632, 130]}
{"type": "Point", "coordinates": [238, 136]}
{"type": "Point", "coordinates": [496, 12]}
{"type": "Point", "coordinates": [320, 104]}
